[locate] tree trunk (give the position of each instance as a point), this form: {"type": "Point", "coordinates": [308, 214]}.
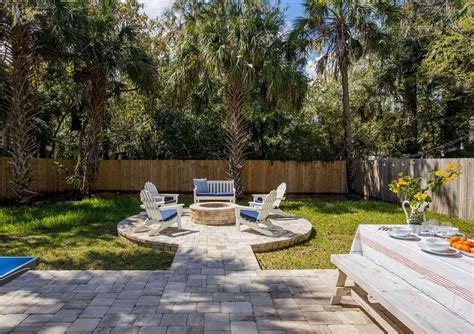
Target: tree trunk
{"type": "Point", "coordinates": [236, 134]}
{"type": "Point", "coordinates": [92, 131]}
{"type": "Point", "coordinates": [348, 146]}
{"type": "Point", "coordinates": [21, 131]}
{"type": "Point", "coordinates": [410, 80]}
{"type": "Point", "coordinates": [410, 102]}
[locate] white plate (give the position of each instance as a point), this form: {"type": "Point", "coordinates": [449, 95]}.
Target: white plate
{"type": "Point", "coordinates": [449, 252]}
{"type": "Point", "coordinates": [408, 237]}
{"type": "Point", "coordinates": [449, 236]}
{"type": "Point", "coordinates": [466, 254]}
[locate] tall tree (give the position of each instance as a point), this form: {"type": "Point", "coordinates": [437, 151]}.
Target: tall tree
{"type": "Point", "coordinates": [105, 52]}
{"type": "Point", "coordinates": [238, 47]}
{"type": "Point", "coordinates": [340, 32]}
{"type": "Point", "coordinates": [18, 68]}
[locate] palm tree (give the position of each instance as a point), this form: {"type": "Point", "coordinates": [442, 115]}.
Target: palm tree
{"type": "Point", "coordinates": [104, 51]}
{"type": "Point", "coordinates": [340, 32]}
{"type": "Point", "coordinates": [237, 46]}
{"type": "Point", "coordinates": [18, 48]}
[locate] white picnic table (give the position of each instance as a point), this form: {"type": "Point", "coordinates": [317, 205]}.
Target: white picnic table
{"type": "Point", "coordinates": [447, 280]}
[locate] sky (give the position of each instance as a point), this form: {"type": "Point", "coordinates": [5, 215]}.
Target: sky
{"type": "Point", "coordinates": [293, 9]}
{"type": "Point", "coordinates": [154, 8]}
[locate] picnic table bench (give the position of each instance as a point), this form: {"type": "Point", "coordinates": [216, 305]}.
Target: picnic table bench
{"type": "Point", "coordinates": [378, 290]}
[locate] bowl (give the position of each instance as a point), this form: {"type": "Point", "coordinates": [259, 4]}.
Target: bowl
{"type": "Point", "coordinates": [401, 231]}
{"type": "Point", "coordinates": [431, 241]}
{"type": "Point", "coordinates": [437, 245]}
{"type": "Point", "coordinates": [451, 231]}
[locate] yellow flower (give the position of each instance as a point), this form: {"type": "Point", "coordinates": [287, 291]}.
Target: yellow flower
{"type": "Point", "coordinates": [440, 173]}
{"type": "Point", "coordinates": [452, 167]}
{"type": "Point", "coordinates": [421, 196]}
{"type": "Point", "coordinates": [448, 179]}
{"type": "Point", "coordinates": [402, 182]}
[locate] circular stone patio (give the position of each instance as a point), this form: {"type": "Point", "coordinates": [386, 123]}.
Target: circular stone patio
{"type": "Point", "coordinates": [295, 229]}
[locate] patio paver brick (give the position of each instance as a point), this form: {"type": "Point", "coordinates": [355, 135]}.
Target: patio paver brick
{"type": "Point", "coordinates": [214, 285]}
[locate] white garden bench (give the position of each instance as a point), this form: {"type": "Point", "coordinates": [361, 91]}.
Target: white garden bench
{"type": "Point", "coordinates": [219, 190]}
{"type": "Point", "coordinates": [377, 290]}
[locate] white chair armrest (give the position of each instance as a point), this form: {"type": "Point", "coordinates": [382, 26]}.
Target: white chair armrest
{"type": "Point", "coordinates": [169, 195]}
{"type": "Point", "coordinates": [241, 207]}
{"type": "Point", "coordinates": [159, 202]}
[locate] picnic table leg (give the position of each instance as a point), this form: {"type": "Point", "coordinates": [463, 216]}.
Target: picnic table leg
{"type": "Point", "coordinates": [340, 289]}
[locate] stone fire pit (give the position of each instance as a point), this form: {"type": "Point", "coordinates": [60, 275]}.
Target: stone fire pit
{"type": "Point", "coordinates": [213, 213]}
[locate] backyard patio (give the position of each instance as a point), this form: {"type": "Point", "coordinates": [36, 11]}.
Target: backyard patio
{"type": "Point", "coordinates": [236, 166]}
{"type": "Point", "coordinates": [212, 284]}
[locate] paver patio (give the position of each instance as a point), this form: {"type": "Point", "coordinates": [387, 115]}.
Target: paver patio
{"type": "Point", "coordinates": [213, 287]}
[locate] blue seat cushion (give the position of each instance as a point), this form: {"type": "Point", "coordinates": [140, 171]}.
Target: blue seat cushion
{"type": "Point", "coordinates": [249, 215]}
{"type": "Point", "coordinates": [201, 185]}
{"type": "Point", "coordinates": [223, 194]}
{"type": "Point", "coordinates": [168, 214]}
{"type": "Point", "coordinates": [214, 194]}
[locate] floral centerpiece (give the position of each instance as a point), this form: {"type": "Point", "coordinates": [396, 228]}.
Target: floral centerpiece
{"type": "Point", "coordinates": [417, 196]}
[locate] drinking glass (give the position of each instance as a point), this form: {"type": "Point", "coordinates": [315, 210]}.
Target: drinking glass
{"type": "Point", "coordinates": [445, 228]}
{"type": "Point", "coordinates": [432, 226]}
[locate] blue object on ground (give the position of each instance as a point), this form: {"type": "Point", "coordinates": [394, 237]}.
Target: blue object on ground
{"type": "Point", "coordinates": [13, 266]}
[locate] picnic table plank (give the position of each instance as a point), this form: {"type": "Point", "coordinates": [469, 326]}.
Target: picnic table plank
{"type": "Point", "coordinates": [412, 307]}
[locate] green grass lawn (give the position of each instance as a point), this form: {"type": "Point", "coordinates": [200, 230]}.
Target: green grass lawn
{"type": "Point", "coordinates": [76, 235]}
{"type": "Point", "coordinates": [83, 235]}
{"type": "Point", "coordinates": [335, 223]}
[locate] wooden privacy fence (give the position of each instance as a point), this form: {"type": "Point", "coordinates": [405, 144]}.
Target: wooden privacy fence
{"type": "Point", "coordinates": [455, 199]}
{"type": "Point", "coordinates": [176, 175]}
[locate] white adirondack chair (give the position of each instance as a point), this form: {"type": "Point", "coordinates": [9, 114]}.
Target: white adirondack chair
{"type": "Point", "coordinates": [172, 198]}
{"type": "Point", "coordinates": [162, 216]}
{"type": "Point", "coordinates": [259, 198]}
{"type": "Point", "coordinates": [257, 218]}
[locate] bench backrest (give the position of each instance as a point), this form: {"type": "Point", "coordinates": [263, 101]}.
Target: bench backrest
{"type": "Point", "coordinates": [221, 186]}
